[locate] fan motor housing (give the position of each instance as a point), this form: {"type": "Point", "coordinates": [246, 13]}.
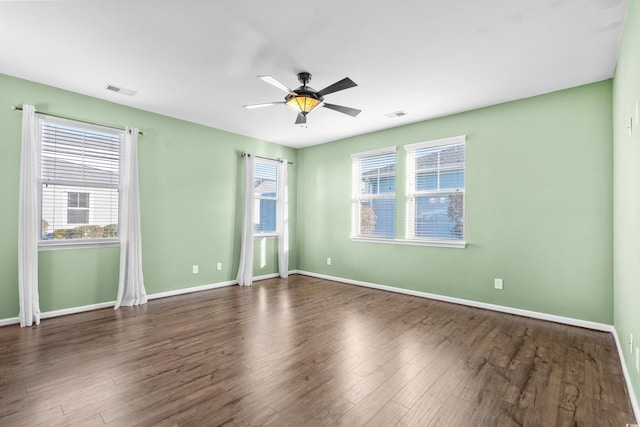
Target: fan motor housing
{"type": "Point", "coordinates": [305, 91]}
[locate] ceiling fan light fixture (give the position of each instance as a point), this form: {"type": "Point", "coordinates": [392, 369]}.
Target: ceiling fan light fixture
{"type": "Point", "coordinates": [305, 99]}
{"type": "Point", "coordinates": [302, 104]}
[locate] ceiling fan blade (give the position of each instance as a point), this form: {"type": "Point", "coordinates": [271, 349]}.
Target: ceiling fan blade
{"type": "Point", "coordinates": [275, 82]}
{"type": "Point", "coordinates": [343, 84]}
{"type": "Point", "coordinates": [346, 110]}
{"type": "Point", "coordinates": [266, 104]}
{"type": "Point", "coordinates": [301, 119]}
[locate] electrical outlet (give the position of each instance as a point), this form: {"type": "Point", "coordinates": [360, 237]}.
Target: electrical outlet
{"type": "Point", "coordinates": [195, 269]}
{"type": "Point", "coordinates": [498, 283]}
{"type": "Point", "coordinates": [328, 261]}
{"type": "Point", "coordinates": [219, 266]}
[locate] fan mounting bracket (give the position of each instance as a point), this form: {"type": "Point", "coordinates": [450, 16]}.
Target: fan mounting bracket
{"type": "Point", "coordinates": [304, 77]}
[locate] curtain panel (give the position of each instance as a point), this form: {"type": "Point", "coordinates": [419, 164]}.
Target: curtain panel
{"type": "Point", "coordinates": [131, 289]}
{"type": "Point", "coordinates": [283, 219]}
{"type": "Point", "coordinates": [29, 227]}
{"type": "Point", "coordinates": [245, 269]}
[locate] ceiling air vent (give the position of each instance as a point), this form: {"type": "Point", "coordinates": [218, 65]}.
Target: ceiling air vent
{"type": "Point", "coordinates": [121, 90]}
{"type": "Point", "coordinates": [396, 114]}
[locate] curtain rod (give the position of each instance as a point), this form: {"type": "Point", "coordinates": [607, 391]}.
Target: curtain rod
{"type": "Point", "coordinates": [261, 157]}
{"type": "Point", "coordinates": [18, 108]}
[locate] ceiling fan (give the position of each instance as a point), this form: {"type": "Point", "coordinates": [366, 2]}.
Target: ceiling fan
{"type": "Point", "coordinates": [304, 99]}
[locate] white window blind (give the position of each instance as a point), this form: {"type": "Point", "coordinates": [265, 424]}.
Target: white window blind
{"type": "Point", "coordinates": [80, 178]}
{"type": "Point", "coordinates": [265, 195]}
{"type": "Point", "coordinates": [435, 190]}
{"type": "Point", "coordinates": [373, 212]}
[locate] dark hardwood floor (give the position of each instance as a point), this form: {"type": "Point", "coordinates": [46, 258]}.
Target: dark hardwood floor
{"type": "Point", "coordinates": [305, 352]}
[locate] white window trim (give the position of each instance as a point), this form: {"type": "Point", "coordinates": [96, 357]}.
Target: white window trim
{"type": "Point", "coordinates": [63, 244]}
{"type": "Point", "coordinates": [414, 242]}
{"type": "Point", "coordinates": [269, 235]}
{"type": "Point", "coordinates": [411, 195]}
{"type": "Point", "coordinates": [50, 245]}
{"type": "Point", "coordinates": [355, 207]}
{"type": "Point", "coordinates": [385, 150]}
{"type": "Point", "coordinates": [436, 142]}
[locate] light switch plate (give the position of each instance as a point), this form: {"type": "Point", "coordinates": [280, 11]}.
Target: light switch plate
{"type": "Point", "coordinates": [498, 284]}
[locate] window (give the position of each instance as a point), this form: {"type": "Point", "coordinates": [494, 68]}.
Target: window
{"type": "Point", "coordinates": [80, 178]}
{"type": "Point", "coordinates": [435, 190]}
{"type": "Point", "coordinates": [265, 186]}
{"type": "Point", "coordinates": [78, 208]}
{"type": "Point", "coordinates": [374, 194]}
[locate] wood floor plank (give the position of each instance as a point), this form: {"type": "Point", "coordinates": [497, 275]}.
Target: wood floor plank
{"type": "Point", "coordinates": [424, 410]}
{"type": "Point", "coordinates": [386, 390]}
{"type": "Point", "coordinates": [442, 362]}
{"type": "Point", "coordinates": [389, 415]}
{"type": "Point", "coordinates": [79, 421]}
{"type": "Point", "coordinates": [303, 352]}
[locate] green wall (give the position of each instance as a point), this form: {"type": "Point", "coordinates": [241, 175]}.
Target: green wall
{"type": "Point", "coordinates": [538, 195]}
{"type": "Point", "coordinates": [626, 194]}
{"type": "Point", "coordinates": [189, 193]}
{"type": "Point", "coordinates": [538, 208]}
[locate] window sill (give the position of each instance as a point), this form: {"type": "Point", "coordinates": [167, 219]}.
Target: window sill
{"type": "Point", "coordinates": [51, 245]}
{"type": "Point", "coordinates": [267, 235]}
{"type": "Point", "coordinates": [435, 243]}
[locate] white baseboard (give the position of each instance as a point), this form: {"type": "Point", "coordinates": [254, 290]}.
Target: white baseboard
{"type": "Point", "coordinates": [494, 307]}
{"type": "Point", "coordinates": [74, 310]}
{"type": "Point", "coordinates": [62, 312]}
{"type": "Point", "coordinates": [190, 290]}
{"type": "Point", "coordinates": [265, 277]}
{"type": "Point", "coordinates": [627, 377]}
{"type": "Point", "coordinates": [9, 321]}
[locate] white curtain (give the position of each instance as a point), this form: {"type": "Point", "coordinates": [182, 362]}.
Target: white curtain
{"type": "Point", "coordinates": [245, 270]}
{"type": "Point", "coordinates": [29, 227]}
{"type": "Point", "coordinates": [283, 219]}
{"type": "Point", "coordinates": [131, 284]}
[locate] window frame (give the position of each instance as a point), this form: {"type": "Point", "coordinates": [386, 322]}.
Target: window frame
{"type": "Point", "coordinates": [356, 197]}
{"type": "Point", "coordinates": [275, 233]}
{"type": "Point", "coordinates": [64, 244]}
{"type": "Point", "coordinates": [411, 193]}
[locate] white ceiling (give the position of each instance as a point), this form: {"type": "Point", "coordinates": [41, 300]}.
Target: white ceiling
{"type": "Point", "coordinates": [198, 60]}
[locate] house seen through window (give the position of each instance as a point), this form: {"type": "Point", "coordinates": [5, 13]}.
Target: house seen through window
{"type": "Point", "coordinates": [374, 194]}
{"type": "Point", "coordinates": [435, 190]}
{"type": "Point", "coordinates": [80, 178]}
{"type": "Point", "coordinates": [78, 208]}
{"type": "Point", "coordinates": [265, 186]}
{"type": "Point", "coordinates": [433, 195]}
